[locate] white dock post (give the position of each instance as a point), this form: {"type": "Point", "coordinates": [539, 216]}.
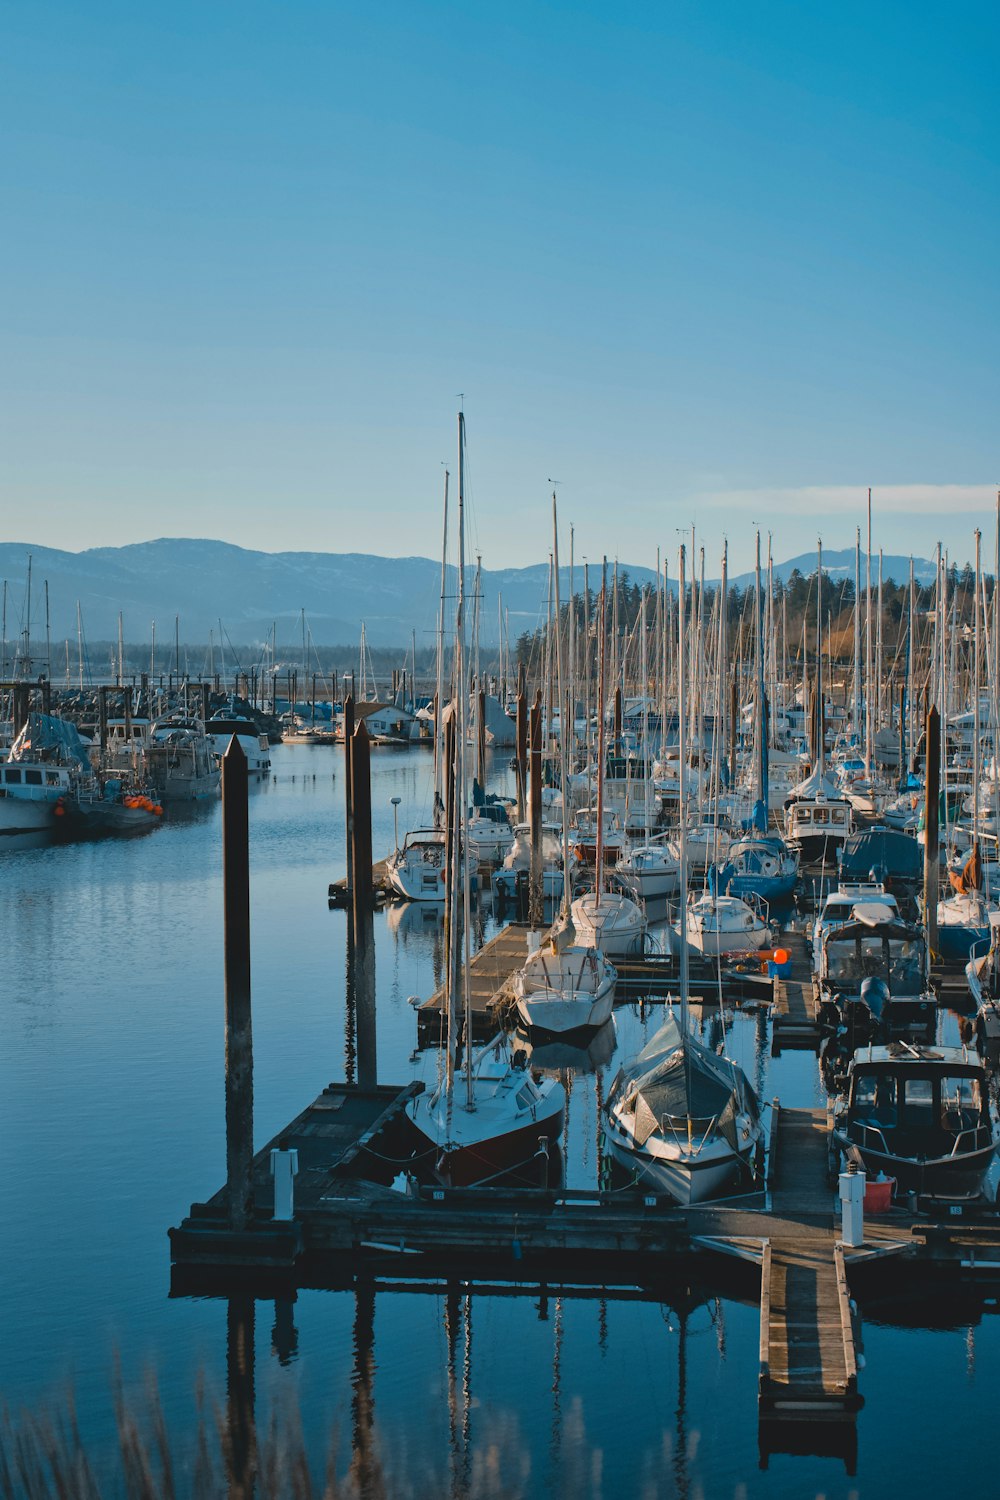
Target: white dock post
{"type": "Point", "coordinates": [284, 1166]}
{"type": "Point", "coordinates": [852, 1206]}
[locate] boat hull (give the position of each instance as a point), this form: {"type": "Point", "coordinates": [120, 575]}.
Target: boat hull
{"type": "Point", "coordinates": [559, 1016]}
{"type": "Point", "coordinates": [685, 1179]}
{"type": "Point", "coordinates": [948, 1177]}
{"type": "Point", "coordinates": [463, 1165]}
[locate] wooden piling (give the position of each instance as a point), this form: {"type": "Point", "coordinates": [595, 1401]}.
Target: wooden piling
{"type": "Point", "coordinates": [481, 739]}
{"type": "Point", "coordinates": [362, 908]}
{"type": "Point", "coordinates": [239, 1034]}
{"type": "Point", "coordinates": [618, 724]}
{"type": "Point", "coordinates": [349, 787]}
{"type": "Point", "coordinates": [932, 805]}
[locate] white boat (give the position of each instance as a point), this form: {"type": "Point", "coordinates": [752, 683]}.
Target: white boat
{"type": "Point", "coordinates": [478, 1131]}
{"type": "Point", "coordinates": [487, 1119]}
{"type": "Point", "coordinates": [841, 906]}
{"type": "Point", "coordinates": [723, 924]}
{"type": "Point", "coordinates": [220, 729]}
{"type": "Point", "coordinates": [488, 839]}
{"type": "Point", "coordinates": [417, 870]}
{"type": "Point", "coordinates": [649, 872]}
{"type": "Point", "coordinates": [609, 921]}
{"type": "Point", "coordinates": [683, 1120]}
{"type": "Point", "coordinates": [707, 844]}
{"type": "Point", "coordinates": [563, 990]}
{"type": "Point", "coordinates": [517, 862]}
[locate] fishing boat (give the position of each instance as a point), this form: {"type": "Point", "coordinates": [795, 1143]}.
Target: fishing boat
{"type": "Point", "coordinates": [921, 1116]}
{"type": "Point", "coordinates": [181, 760]}
{"type": "Point", "coordinates": [840, 905]}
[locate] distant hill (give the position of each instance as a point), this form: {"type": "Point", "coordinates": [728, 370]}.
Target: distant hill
{"type": "Point", "coordinates": [841, 565]}
{"type": "Point", "coordinates": [205, 581]}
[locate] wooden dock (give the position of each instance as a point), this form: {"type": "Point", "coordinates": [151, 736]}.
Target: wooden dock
{"type": "Point", "coordinates": [490, 974]}
{"type": "Point", "coordinates": [795, 1009]}
{"type": "Point", "coordinates": [808, 1363]}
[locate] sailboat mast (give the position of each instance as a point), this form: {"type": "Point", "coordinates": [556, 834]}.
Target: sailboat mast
{"type": "Point", "coordinates": [682, 793]}
{"type": "Point", "coordinates": [600, 733]}
{"type": "Point", "coordinates": [868, 645]}
{"type": "Point", "coordinates": [439, 771]}
{"type": "Point", "coordinates": [820, 715]}
{"type": "Point", "coordinates": [975, 704]}
{"type": "Point", "coordinates": [462, 695]}
{"type": "Point", "coordinates": [562, 714]}
{"type": "Point", "coordinates": [79, 637]}
{"type": "Point", "coordinates": [857, 634]}
{"type": "Point", "coordinates": [909, 683]}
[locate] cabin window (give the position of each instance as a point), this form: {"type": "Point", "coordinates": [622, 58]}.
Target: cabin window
{"type": "Point", "coordinates": [805, 815]}
{"type": "Point", "coordinates": [52, 778]}
{"type": "Point", "coordinates": [33, 778]}
{"type": "Point", "coordinates": [820, 815]}
{"type": "Point", "coordinates": [875, 1098]}
{"type": "Point", "coordinates": [961, 1103]}
{"type": "Point", "coordinates": [839, 814]}
{"type": "Point", "coordinates": [918, 1101]}
{"type": "Point", "coordinates": [13, 776]}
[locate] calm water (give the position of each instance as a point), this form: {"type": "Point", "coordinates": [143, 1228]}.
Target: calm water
{"type": "Point", "coordinates": [111, 1112]}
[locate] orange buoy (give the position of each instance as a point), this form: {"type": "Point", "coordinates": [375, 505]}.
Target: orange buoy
{"type": "Point", "coordinates": [781, 955]}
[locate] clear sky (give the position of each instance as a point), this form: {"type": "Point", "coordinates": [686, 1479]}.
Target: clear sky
{"type": "Point", "coordinates": [709, 262]}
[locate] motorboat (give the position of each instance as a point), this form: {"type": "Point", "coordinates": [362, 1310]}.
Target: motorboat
{"type": "Point", "coordinates": [226, 723]}
{"type": "Point", "coordinates": [840, 905]}
{"type": "Point", "coordinates": [417, 870]}
{"type": "Point", "coordinates": [874, 978]}
{"type": "Point", "coordinates": [517, 862]}
{"type": "Point", "coordinates": [921, 1116]}
{"type": "Point", "coordinates": [818, 817]}
{"type": "Point", "coordinates": [683, 1120]}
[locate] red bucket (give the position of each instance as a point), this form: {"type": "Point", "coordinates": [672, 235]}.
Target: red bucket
{"type": "Point", "coordinates": [878, 1196]}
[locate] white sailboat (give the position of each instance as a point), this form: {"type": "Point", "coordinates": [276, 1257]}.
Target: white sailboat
{"type": "Point", "coordinates": [488, 1120]}
{"type": "Point", "coordinates": [683, 1120]}
{"type": "Point", "coordinates": [604, 919]}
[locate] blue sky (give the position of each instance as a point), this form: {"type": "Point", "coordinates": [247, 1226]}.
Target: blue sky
{"type": "Point", "coordinates": [699, 262]}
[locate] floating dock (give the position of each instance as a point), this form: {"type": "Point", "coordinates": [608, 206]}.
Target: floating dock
{"type": "Point", "coordinates": [795, 1008]}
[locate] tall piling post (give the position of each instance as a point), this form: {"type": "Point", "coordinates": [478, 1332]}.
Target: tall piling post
{"type": "Point", "coordinates": [239, 1034]}
{"type": "Point", "coordinates": [535, 879]}
{"type": "Point", "coordinates": [481, 739]}
{"type": "Point", "coordinates": [349, 786]}
{"type": "Point", "coordinates": [932, 805]}
{"type": "Point", "coordinates": [362, 901]}
{"type": "Point", "coordinates": [618, 722]}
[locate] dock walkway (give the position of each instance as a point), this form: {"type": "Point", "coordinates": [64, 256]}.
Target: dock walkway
{"type": "Point", "coordinates": [795, 1009]}
{"type": "Point", "coordinates": [808, 1363]}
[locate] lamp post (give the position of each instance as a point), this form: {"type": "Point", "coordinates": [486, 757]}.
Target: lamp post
{"type": "Point", "coordinates": [395, 820]}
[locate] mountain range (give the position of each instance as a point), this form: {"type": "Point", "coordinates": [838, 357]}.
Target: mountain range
{"type": "Point", "coordinates": [203, 582]}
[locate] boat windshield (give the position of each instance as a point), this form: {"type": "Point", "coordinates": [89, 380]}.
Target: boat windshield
{"type": "Point", "coordinates": [898, 962]}
{"type": "Point", "coordinates": [951, 1102]}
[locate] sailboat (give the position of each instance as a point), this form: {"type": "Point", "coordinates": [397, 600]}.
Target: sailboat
{"type": "Point", "coordinates": [684, 1120]}
{"type": "Point", "coordinates": [606, 919]}
{"type": "Point", "coordinates": [489, 1119]}
{"type": "Point", "coordinates": [964, 916]}
{"type": "Point", "coordinates": [817, 814]}
{"type": "Point", "coordinates": [564, 986]}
